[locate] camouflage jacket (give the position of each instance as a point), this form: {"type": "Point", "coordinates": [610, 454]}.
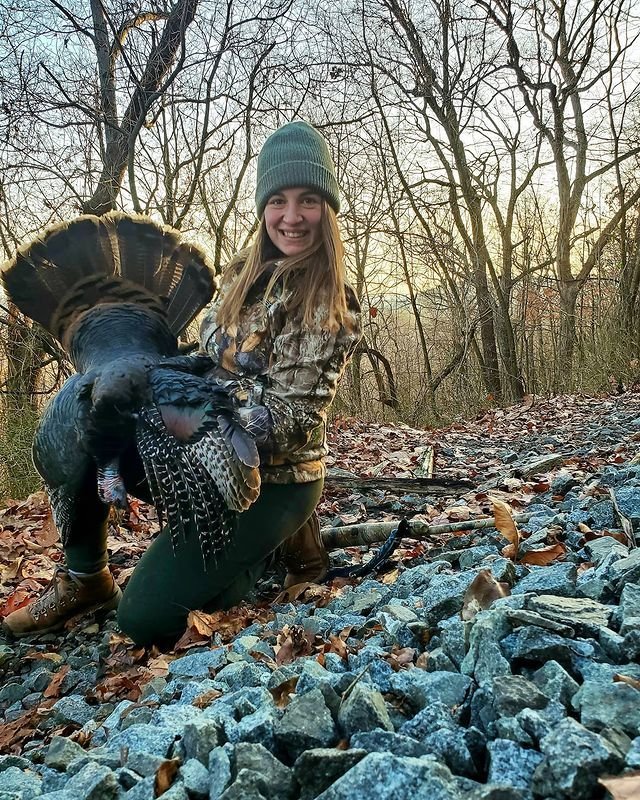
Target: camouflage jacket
{"type": "Point", "coordinates": [290, 369]}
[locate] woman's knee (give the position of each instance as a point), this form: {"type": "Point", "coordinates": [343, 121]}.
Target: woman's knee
{"type": "Point", "coordinates": [146, 624]}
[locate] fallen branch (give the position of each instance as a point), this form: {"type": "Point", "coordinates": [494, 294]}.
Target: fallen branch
{"type": "Point", "coordinates": [373, 532]}
{"type": "Point", "coordinates": [436, 487]}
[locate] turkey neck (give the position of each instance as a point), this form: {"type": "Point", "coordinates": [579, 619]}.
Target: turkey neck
{"type": "Point", "coordinates": [111, 332]}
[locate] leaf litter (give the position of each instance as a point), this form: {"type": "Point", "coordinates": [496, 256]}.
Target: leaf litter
{"type": "Point", "coordinates": [499, 451]}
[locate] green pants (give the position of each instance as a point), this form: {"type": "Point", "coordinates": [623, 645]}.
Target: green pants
{"type": "Point", "coordinates": [166, 585]}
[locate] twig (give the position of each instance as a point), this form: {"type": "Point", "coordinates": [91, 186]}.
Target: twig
{"type": "Point", "coordinates": [374, 532]}
{"type": "Point", "coordinates": [625, 522]}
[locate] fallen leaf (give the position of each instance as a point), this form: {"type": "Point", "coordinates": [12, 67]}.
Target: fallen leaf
{"type": "Point", "coordinates": [282, 692]}
{"type": "Point", "coordinates": [626, 787]}
{"type": "Point", "coordinates": [506, 526]}
{"type": "Point", "coordinates": [628, 680]}
{"type": "Point", "coordinates": [53, 689]}
{"type": "Point", "coordinates": [205, 699]}
{"type": "Point", "coordinates": [292, 593]}
{"type": "Point", "coordinates": [483, 590]}
{"type": "Point", "coordinates": [543, 555]}
{"type": "Point", "coordinates": [165, 775]}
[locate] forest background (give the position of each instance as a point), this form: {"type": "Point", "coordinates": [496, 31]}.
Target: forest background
{"type": "Point", "coordinates": [487, 152]}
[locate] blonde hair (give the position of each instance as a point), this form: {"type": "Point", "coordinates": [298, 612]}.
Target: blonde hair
{"type": "Point", "coordinates": [316, 278]}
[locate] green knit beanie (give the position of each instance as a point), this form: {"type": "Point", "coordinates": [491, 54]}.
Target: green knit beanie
{"type": "Point", "coordinates": [296, 155]}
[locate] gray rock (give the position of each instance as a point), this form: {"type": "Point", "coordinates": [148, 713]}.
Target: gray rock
{"type": "Point", "coordinates": [363, 710]}
{"type": "Point", "coordinates": [73, 709]}
{"type": "Point", "coordinates": [555, 682]}
{"type": "Point", "coordinates": [144, 739]}
{"type": "Point", "coordinates": [434, 717]}
{"type": "Point", "coordinates": [176, 792]}
{"type": "Point", "coordinates": [93, 782]}
{"type": "Point", "coordinates": [14, 761]}
{"type": "Point", "coordinates": [23, 783]}
{"type": "Point", "coordinates": [512, 693]}
{"type": "Point", "coordinates": [315, 770]}
{"type": "Point", "coordinates": [630, 646]}
{"type": "Point", "coordinates": [219, 771]}
{"type": "Point", "coordinates": [574, 758]}
{"type": "Point", "coordinates": [475, 555]}
{"type": "Point", "coordinates": [633, 755]}
{"type": "Point", "coordinates": [306, 724]}
{"type": "Point", "coordinates": [62, 751]}
{"type": "Point", "coordinates": [386, 742]}
{"type": "Point", "coordinates": [609, 705]}
{"type": "Point", "coordinates": [416, 580]}
{"type": "Point", "coordinates": [535, 644]}
{"type": "Point", "coordinates": [627, 570]}
{"type": "Point", "coordinates": [195, 777]}
{"type": "Point", "coordinates": [558, 579]}
{"type": "Point", "coordinates": [145, 764]}
{"type": "Point", "coordinates": [583, 614]}
{"type": "Point", "coordinates": [199, 737]}
{"type": "Point", "coordinates": [511, 765]}
{"type": "Point", "coordinates": [484, 659]}
{"type": "Point", "coordinates": [629, 608]}
{"type": "Point", "coordinates": [598, 549]}
{"type": "Point", "coordinates": [423, 688]}
{"type": "Point", "coordinates": [144, 790]}
{"type": "Point", "coordinates": [242, 674]}
{"type": "Point", "coordinates": [248, 785]}
{"type": "Point", "coordinates": [381, 776]}
{"type": "Point", "coordinates": [279, 783]}
{"type": "Point", "coordinates": [198, 665]}
{"type": "Point", "coordinates": [445, 596]}
{"type": "Point", "coordinates": [454, 747]}
{"type": "Point", "coordinates": [628, 498]}
{"type": "Point", "coordinates": [453, 638]}
{"type": "Point", "coordinates": [13, 692]}
{"type": "Point", "coordinates": [519, 616]}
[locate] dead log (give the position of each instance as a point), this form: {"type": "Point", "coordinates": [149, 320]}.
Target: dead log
{"type": "Point", "coordinates": [367, 533]}
{"type": "Point", "coordinates": [436, 487]}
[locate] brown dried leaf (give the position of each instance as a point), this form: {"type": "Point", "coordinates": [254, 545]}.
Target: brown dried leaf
{"type": "Point", "coordinates": [202, 623]}
{"type": "Point", "coordinates": [205, 699]}
{"type": "Point", "coordinates": [544, 555]}
{"type": "Point", "coordinates": [282, 693]}
{"type": "Point", "coordinates": [165, 775]}
{"type": "Point", "coordinates": [53, 689]}
{"type": "Point", "coordinates": [626, 679]}
{"type": "Point", "coordinates": [292, 594]}
{"type": "Point", "coordinates": [626, 787]}
{"type": "Point", "coordinates": [506, 526]}
{"type": "Point", "coordinates": [481, 593]}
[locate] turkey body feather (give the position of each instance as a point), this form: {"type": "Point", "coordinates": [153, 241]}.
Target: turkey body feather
{"type": "Point", "coordinates": [117, 291]}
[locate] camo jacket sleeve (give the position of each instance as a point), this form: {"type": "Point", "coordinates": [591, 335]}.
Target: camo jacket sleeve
{"type": "Point", "coordinates": [292, 370]}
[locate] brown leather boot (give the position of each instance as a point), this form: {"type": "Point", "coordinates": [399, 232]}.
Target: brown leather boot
{"type": "Point", "coordinates": [67, 596]}
{"type": "Point", "coordinates": [304, 555]}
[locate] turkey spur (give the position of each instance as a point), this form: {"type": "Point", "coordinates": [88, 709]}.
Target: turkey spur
{"type": "Point", "coordinates": [116, 291]}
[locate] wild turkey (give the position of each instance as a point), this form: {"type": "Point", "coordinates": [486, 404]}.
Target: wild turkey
{"type": "Point", "coordinates": [117, 291]}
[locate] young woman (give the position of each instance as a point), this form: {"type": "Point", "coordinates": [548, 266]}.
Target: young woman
{"type": "Point", "coordinates": [284, 326]}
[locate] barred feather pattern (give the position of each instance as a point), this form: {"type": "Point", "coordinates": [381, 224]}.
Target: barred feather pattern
{"type": "Point", "coordinates": [62, 509]}
{"type": "Point", "coordinates": [182, 488]}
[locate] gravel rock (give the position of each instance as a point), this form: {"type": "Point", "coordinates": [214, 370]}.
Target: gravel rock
{"type": "Point", "coordinates": [144, 739]}
{"type": "Point", "coordinates": [62, 751]}
{"type": "Point", "coordinates": [574, 757]}
{"type": "Point", "coordinates": [603, 705]}
{"type": "Point", "coordinates": [24, 784]}
{"type": "Point", "coordinates": [317, 769]}
{"type": "Point", "coordinates": [511, 765]}
{"type": "Point", "coordinates": [557, 579]}
{"type": "Point", "coordinates": [363, 710]}
{"type": "Point", "coordinates": [385, 742]}
{"type": "Point", "coordinates": [279, 782]}
{"type": "Point", "coordinates": [93, 782]}
{"type": "Point", "coordinates": [195, 778]}
{"type": "Point", "coordinates": [306, 724]}
{"type": "Point", "coordinates": [379, 776]}
{"type": "Point", "coordinates": [198, 665]}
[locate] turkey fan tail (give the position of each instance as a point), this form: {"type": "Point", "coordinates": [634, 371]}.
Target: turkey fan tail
{"type": "Point", "coordinates": [115, 258]}
{"type": "Point", "coordinates": [156, 258]}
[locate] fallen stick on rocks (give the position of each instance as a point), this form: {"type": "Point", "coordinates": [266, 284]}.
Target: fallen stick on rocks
{"type": "Point", "coordinates": [373, 532]}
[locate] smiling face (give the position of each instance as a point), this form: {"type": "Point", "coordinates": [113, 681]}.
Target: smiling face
{"type": "Point", "coordinates": [293, 219]}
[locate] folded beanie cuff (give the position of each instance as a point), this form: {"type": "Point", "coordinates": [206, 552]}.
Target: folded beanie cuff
{"type": "Point", "coordinates": [299, 173]}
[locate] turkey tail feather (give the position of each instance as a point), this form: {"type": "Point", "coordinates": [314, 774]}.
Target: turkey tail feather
{"type": "Point", "coordinates": [115, 258]}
